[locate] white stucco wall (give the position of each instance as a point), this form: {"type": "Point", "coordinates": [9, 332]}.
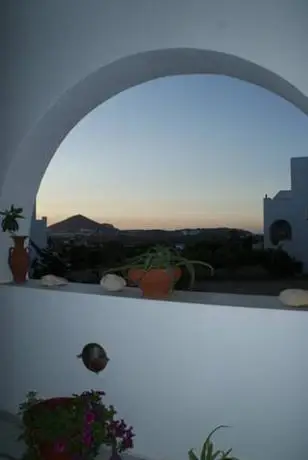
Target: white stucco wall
{"type": "Point", "coordinates": [294, 210]}
{"type": "Point", "coordinates": [62, 59]}
{"type": "Point", "coordinates": [176, 370]}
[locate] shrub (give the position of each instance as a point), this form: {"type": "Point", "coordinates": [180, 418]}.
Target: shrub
{"type": "Point", "coordinates": [280, 264]}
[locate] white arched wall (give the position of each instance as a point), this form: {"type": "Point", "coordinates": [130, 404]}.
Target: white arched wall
{"type": "Point", "coordinates": [65, 58]}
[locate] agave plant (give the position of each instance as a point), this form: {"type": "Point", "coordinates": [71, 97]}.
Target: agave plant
{"type": "Point", "coordinates": [162, 257]}
{"type": "Point", "coordinates": [10, 219]}
{"type": "Point", "coordinates": [208, 451]}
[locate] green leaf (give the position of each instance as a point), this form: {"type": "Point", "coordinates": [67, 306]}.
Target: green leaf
{"type": "Point", "coordinates": [192, 455]}
{"type": "Point", "coordinates": [218, 452]}
{"type": "Point", "coordinates": [214, 431]}
{"type": "Point", "coordinates": [10, 219]}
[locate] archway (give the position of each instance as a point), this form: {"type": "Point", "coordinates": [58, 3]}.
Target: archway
{"type": "Point", "coordinates": [31, 159]}
{"type": "Point", "coordinates": [280, 230]}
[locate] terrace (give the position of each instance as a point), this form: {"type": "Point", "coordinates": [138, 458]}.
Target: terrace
{"type": "Point", "coordinates": [177, 368]}
{"type": "Point", "coordinates": [181, 366]}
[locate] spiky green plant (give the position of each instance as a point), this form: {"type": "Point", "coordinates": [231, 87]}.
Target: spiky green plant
{"type": "Point", "coordinates": [161, 257]}
{"type": "Point", "coordinates": [208, 451]}
{"type": "Point", "coordinates": [10, 219]}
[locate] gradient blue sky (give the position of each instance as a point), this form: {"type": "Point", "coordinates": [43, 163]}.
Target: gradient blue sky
{"type": "Point", "coordinates": [187, 151]}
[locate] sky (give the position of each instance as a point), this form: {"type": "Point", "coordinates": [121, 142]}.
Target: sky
{"type": "Point", "coordinates": [176, 152]}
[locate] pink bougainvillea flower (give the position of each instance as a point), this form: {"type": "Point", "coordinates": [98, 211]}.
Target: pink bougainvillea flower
{"type": "Point", "coordinates": [87, 439]}
{"type": "Point", "coordinates": [127, 443]}
{"type": "Point", "coordinates": [59, 446]}
{"type": "Point", "coordinates": [90, 417]}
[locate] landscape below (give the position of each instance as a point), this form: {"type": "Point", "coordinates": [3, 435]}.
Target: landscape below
{"type": "Point", "coordinates": [81, 250]}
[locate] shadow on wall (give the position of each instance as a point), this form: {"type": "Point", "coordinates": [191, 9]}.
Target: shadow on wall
{"type": "Point", "coordinates": [8, 417]}
{"type": "Point", "coordinates": [10, 447]}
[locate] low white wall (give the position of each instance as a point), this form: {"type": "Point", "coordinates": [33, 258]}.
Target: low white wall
{"type": "Point", "coordinates": [177, 370]}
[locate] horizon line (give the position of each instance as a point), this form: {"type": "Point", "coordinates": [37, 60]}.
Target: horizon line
{"type": "Point", "coordinates": [164, 228]}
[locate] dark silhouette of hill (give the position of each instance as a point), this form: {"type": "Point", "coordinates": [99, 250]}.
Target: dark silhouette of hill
{"type": "Point", "coordinates": [81, 224]}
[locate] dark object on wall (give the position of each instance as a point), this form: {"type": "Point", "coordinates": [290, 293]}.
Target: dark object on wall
{"type": "Point", "coordinates": [94, 357]}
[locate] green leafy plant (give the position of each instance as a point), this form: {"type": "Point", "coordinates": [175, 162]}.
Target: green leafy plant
{"type": "Point", "coordinates": [208, 451]}
{"type": "Point", "coordinates": [10, 219]}
{"type": "Point", "coordinates": [161, 257]}
{"type": "Point", "coordinates": [78, 425]}
{"type": "Point", "coordinates": [47, 261]}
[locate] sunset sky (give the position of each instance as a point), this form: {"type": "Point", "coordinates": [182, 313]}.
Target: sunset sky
{"type": "Point", "coordinates": [193, 151]}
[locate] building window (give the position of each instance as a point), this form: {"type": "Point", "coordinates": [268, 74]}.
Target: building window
{"type": "Point", "coordinates": [280, 230]}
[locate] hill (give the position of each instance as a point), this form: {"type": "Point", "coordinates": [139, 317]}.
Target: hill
{"type": "Point", "coordinates": [81, 224]}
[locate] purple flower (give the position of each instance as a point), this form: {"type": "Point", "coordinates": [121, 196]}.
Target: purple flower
{"type": "Point", "coordinates": [87, 439]}
{"type": "Point", "coordinates": [90, 417]}
{"type": "Point", "coordinates": [127, 443]}
{"type": "Point", "coordinates": [59, 446]}
{"type": "Point", "coordinates": [119, 435]}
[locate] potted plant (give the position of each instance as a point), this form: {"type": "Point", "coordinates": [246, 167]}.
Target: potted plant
{"type": "Point", "coordinates": [208, 452]}
{"type": "Point", "coordinates": [71, 428]}
{"type": "Point", "coordinates": [18, 255]}
{"type": "Point", "coordinates": [157, 270]}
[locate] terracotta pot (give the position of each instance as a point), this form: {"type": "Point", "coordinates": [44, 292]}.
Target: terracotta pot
{"type": "Point", "coordinates": [135, 275]}
{"type": "Point", "coordinates": [47, 452]}
{"type": "Point", "coordinates": [19, 259]}
{"type": "Point", "coordinates": [158, 283]}
{"type": "Point", "coordinates": [177, 273]}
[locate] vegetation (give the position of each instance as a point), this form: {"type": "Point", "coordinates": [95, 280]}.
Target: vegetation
{"type": "Point", "coordinates": [48, 262]}
{"type": "Point", "coordinates": [208, 452]}
{"type": "Point", "coordinates": [162, 257]}
{"type": "Point", "coordinates": [10, 219]}
{"type": "Point", "coordinates": [275, 263]}
{"type": "Point", "coordinates": [233, 259]}
{"type": "Point", "coordinates": [78, 425]}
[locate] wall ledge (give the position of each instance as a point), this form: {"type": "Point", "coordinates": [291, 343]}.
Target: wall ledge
{"type": "Point", "coordinates": [195, 297]}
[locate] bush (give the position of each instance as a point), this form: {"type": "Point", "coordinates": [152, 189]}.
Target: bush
{"type": "Point", "coordinates": [280, 264]}
{"type": "Point", "coordinates": [48, 262]}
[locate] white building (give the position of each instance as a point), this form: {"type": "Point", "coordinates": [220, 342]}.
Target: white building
{"type": "Point", "coordinates": [38, 231]}
{"type": "Point", "coordinates": [286, 215]}
{"type": "Point", "coordinates": [60, 60]}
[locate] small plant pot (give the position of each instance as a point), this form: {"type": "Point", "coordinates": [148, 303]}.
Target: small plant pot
{"type": "Point", "coordinates": [156, 283]}
{"type": "Point", "coordinates": [47, 453]}
{"type": "Point", "coordinates": [135, 275]}
{"type": "Point", "coordinates": [19, 259]}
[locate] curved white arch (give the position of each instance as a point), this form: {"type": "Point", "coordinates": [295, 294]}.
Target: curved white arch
{"type": "Point", "coordinates": [31, 159]}
{"type": "Point", "coordinates": [38, 148]}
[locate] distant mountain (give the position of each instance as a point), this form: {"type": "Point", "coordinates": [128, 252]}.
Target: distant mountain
{"type": "Point", "coordinates": [81, 224]}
